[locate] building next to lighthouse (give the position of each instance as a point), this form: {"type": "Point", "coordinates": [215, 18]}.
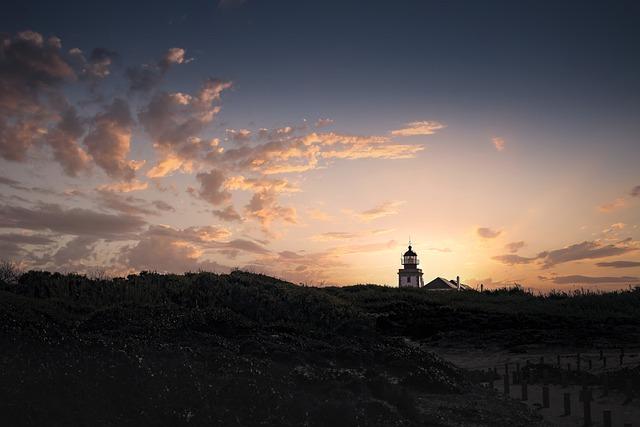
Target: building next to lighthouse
{"type": "Point", "coordinates": [410, 276]}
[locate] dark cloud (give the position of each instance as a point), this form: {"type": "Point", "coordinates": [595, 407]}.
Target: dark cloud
{"type": "Point", "coordinates": [174, 55]}
{"type": "Point", "coordinates": [239, 136]}
{"type": "Point", "coordinates": [10, 182]}
{"type": "Point", "coordinates": [10, 251]}
{"type": "Point", "coordinates": [586, 250]}
{"type": "Point", "coordinates": [26, 239]}
{"type": "Point", "coordinates": [635, 191]}
{"type": "Point", "coordinates": [146, 77]}
{"type": "Point", "coordinates": [246, 246]}
{"type": "Point", "coordinates": [163, 206]}
{"type": "Point", "coordinates": [169, 119]}
{"type": "Point", "coordinates": [28, 64]}
{"type": "Point", "coordinates": [514, 247]}
{"type": "Point", "coordinates": [75, 221]}
{"type": "Point", "coordinates": [76, 249]}
{"type": "Point", "coordinates": [174, 122]}
{"type": "Point", "coordinates": [206, 237]}
{"type": "Point", "coordinates": [63, 140]}
{"type": "Point", "coordinates": [576, 252]}
{"type": "Point", "coordinates": [32, 70]}
{"type": "Point", "coordinates": [278, 133]}
{"type": "Point", "coordinates": [17, 138]}
{"type": "Point", "coordinates": [488, 233]}
{"type": "Point", "coordinates": [100, 60]}
{"type": "Point", "coordinates": [619, 264]}
{"type": "Point", "coordinates": [591, 280]}
{"type": "Point", "coordinates": [97, 66]}
{"type": "Point", "coordinates": [228, 214]}
{"type": "Point", "coordinates": [109, 140]}
{"type": "Point", "coordinates": [143, 78]}
{"type": "Point", "coordinates": [126, 204]}
{"type": "Point", "coordinates": [512, 259]}
{"type": "Point", "coordinates": [211, 187]}
{"type": "Point", "coordinates": [323, 122]}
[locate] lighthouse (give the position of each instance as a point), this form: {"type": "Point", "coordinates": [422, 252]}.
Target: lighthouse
{"type": "Point", "coordinates": [410, 276]}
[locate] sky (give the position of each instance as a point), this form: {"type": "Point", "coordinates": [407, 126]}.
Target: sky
{"type": "Point", "coordinates": [311, 140]}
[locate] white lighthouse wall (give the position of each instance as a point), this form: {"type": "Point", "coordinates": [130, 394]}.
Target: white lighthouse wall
{"type": "Point", "coordinates": [409, 281]}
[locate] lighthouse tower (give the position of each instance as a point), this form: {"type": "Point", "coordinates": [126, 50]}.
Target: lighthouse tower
{"type": "Point", "coordinates": [410, 276]}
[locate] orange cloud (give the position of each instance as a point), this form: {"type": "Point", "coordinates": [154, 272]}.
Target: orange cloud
{"type": "Point", "coordinates": [419, 128]}
{"type": "Point", "coordinates": [347, 235]}
{"type": "Point", "coordinates": [616, 204]}
{"type": "Point", "coordinates": [498, 143]}
{"type": "Point", "coordinates": [259, 184]}
{"type": "Point", "coordinates": [488, 233]}
{"type": "Point", "coordinates": [318, 215]}
{"type": "Point", "coordinates": [125, 187]}
{"type": "Point", "coordinates": [381, 210]}
{"type": "Point", "coordinates": [297, 154]}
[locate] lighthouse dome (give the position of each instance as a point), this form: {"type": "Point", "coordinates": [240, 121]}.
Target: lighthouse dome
{"type": "Point", "coordinates": [410, 252]}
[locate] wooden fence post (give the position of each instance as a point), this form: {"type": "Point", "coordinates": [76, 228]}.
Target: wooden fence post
{"type": "Point", "coordinates": [545, 396]}
{"type": "Point", "coordinates": [524, 391]}
{"type": "Point", "coordinates": [578, 360]}
{"type": "Point", "coordinates": [606, 418]}
{"type": "Point", "coordinates": [586, 402]}
{"type": "Point", "coordinates": [506, 385]}
{"type": "Point", "coordinates": [506, 389]}
{"type": "Point", "coordinates": [567, 404]}
{"type": "Point", "coordinates": [628, 390]}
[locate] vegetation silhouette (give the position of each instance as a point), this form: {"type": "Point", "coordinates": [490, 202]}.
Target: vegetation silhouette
{"type": "Point", "coordinates": [248, 349]}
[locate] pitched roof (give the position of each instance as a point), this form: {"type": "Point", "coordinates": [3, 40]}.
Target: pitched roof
{"type": "Point", "coordinates": [440, 283]}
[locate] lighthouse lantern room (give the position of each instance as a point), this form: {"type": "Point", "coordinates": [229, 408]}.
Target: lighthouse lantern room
{"type": "Point", "coordinates": [410, 276]}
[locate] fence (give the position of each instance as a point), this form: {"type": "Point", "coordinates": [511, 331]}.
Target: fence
{"type": "Point", "coordinates": [583, 389]}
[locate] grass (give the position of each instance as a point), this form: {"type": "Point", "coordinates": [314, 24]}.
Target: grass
{"type": "Point", "coordinates": [248, 349]}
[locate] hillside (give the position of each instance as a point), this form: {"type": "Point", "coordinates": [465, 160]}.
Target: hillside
{"type": "Point", "coordinates": [247, 349]}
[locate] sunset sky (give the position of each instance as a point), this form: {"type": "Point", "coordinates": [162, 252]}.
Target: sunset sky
{"type": "Point", "coordinates": [311, 139]}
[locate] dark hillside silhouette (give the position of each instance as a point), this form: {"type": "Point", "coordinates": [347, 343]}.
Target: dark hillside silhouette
{"type": "Point", "coordinates": [248, 349]}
